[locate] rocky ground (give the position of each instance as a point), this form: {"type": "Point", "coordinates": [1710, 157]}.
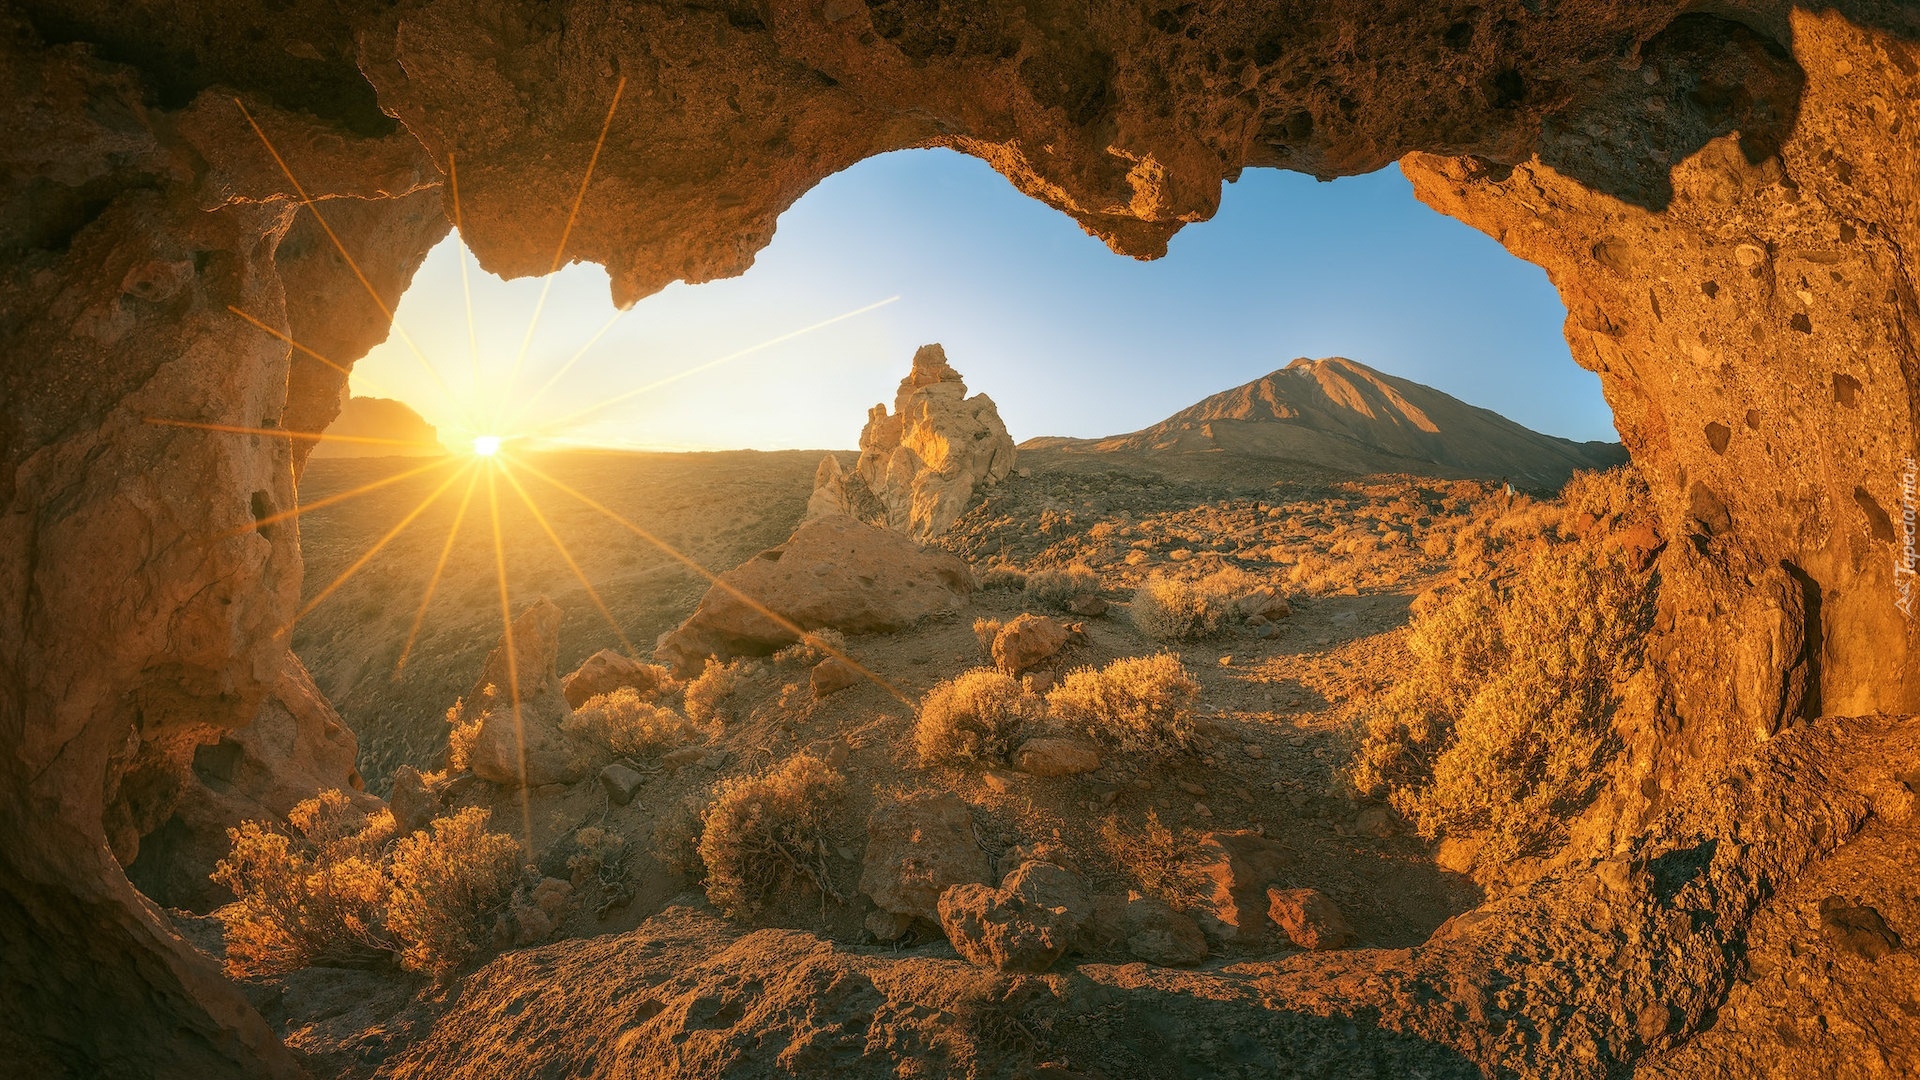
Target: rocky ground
{"type": "Point", "coordinates": [1278, 706]}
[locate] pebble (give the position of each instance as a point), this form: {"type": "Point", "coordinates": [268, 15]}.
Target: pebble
{"type": "Point", "coordinates": [1200, 810]}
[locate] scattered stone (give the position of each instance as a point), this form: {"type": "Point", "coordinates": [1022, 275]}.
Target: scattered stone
{"type": "Point", "coordinates": [1056, 756]}
{"type": "Point", "coordinates": [686, 755]}
{"type": "Point", "coordinates": [1264, 604]}
{"type": "Point", "coordinates": [1027, 641]}
{"type": "Point", "coordinates": [998, 783]}
{"type": "Point", "coordinates": [620, 783]}
{"type": "Point", "coordinates": [1025, 925]}
{"type": "Point", "coordinates": [834, 572]}
{"type": "Point", "coordinates": [519, 741]}
{"type": "Point", "coordinates": [1038, 682]}
{"type": "Point", "coordinates": [831, 676]}
{"type": "Point", "coordinates": [918, 847]}
{"type": "Point", "coordinates": [1857, 929]}
{"type": "Point", "coordinates": [1237, 867]}
{"type": "Point", "coordinates": [607, 671]}
{"type": "Point", "coordinates": [1191, 788]}
{"type": "Point", "coordinates": [1200, 810]}
{"type": "Point", "coordinates": [1375, 821]}
{"type": "Point", "coordinates": [1160, 935]}
{"type": "Point", "coordinates": [1087, 604]}
{"type": "Point", "coordinates": [1308, 918]}
{"type": "Point", "coordinates": [413, 805]}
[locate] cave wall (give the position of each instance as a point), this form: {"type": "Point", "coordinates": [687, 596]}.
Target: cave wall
{"type": "Point", "coordinates": [1764, 149]}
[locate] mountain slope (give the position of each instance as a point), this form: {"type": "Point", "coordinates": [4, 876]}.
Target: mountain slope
{"type": "Point", "coordinates": [1342, 414]}
{"type": "Point", "coordinates": [401, 431]}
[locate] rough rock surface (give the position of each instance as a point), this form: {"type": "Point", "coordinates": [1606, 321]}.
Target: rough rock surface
{"type": "Point", "coordinates": [518, 705]}
{"type": "Point", "coordinates": [832, 675]}
{"type": "Point", "coordinates": [1028, 641]}
{"type": "Point", "coordinates": [1308, 918]}
{"type": "Point", "coordinates": [295, 748]}
{"type": "Point", "coordinates": [918, 847]}
{"type": "Point", "coordinates": [1050, 755]}
{"type": "Point", "coordinates": [1024, 925]}
{"type": "Point", "coordinates": [1160, 935]}
{"type": "Point", "coordinates": [1236, 867]}
{"type": "Point", "coordinates": [922, 462]}
{"type": "Point", "coordinates": [833, 573]}
{"type": "Point", "coordinates": [1724, 199]}
{"type": "Point", "coordinates": [607, 671]}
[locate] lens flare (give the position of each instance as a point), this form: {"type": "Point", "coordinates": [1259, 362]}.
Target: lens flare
{"type": "Point", "coordinates": [486, 445]}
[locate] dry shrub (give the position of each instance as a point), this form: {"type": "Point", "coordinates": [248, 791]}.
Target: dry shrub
{"type": "Point", "coordinates": [342, 891]}
{"type": "Point", "coordinates": [816, 646]}
{"type": "Point", "coordinates": [985, 629]}
{"type": "Point", "coordinates": [448, 884]}
{"type": "Point", "coordinates": [706, 697]}
{"type": "Point", "coordinates": [1156, 860]}
{"type": "Point", "coordinates": [1001, 576]}
{"type": "Point", "coordinates": [311, 898]}
{"type": "Point", "coordinates": [978, 715]}
{"type": "Point", "coordinates": [762, 835]}
{"type": "Point", "coordinates": [1505, 727]}
{"type": "Point", "coordinates": [1140, 703]}
{"type": "Point", "coordinates": [1057, 588]}
{"type": "Point", "coordinates": [628, 725]}
{"type": "Point", "coordinates": [1171, 609]}
{"type": "Point", "coordinates": [461, 732]}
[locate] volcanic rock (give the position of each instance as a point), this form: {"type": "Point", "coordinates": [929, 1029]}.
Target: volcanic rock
{"type": "Point", "coordinates": [607, 671]}
{"type": "Point", "coordinates": [833, 572]}
{"type": "Point", "coordinates": [832, 675]}
{"type": "Point", "coordinates": [1160, 935]}
{"type": "Point", "coordinates": [1308, 918]}
{"type": "Point", "coordinates": [1237, 867]}
{"type": "Point", "coordinates": [519, 741]}
{"type": "Point", "coordinates": [918, 847]}
{"type": "Point", "coordinates": [1056, 756]}
{"type": "Point", "coordinates": [1027, 641]}
{"type": "Point", "coordinates": [923, 462]}
{"type": "Point", "coordinates": [1025, 925]}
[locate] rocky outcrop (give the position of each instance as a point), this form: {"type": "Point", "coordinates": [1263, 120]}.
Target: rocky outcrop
{"type": "Point", "coordinates": [832, 573]}
{"type": "Point", "coordinates": [607, 671]}
{"type": "Point", "coordinates": [1030, 640]}
{"type": "Point", "coordinates": [1236, 869]}
{"type": "Point", "coordinates": [513, 715]}
{"type": "Point", "coordinates": [1024, 925]}
{"type": "Point", "coordinates": [1308, 918]}
{"type": "Point", "coordinates": [295, 748]}
{"type": "Point", "coordinates": [918, 847]}
{"type": "Point", "coordinates": [920, 464]}
{"type": "Point", "coordinates": [378, 427]}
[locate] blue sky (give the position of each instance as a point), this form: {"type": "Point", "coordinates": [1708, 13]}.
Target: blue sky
{"type": "Point", "coordinates": [1068, 338]}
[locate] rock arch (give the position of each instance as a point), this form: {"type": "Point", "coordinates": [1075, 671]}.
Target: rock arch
{"type": "Point", "coordinates": [1726, 202]}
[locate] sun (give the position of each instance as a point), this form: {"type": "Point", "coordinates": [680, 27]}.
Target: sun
{"type": "Point", "coordinates": [486, 445]}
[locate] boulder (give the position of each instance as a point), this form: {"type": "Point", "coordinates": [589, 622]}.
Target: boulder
{"type": "Point", "coordinates": [831, 676]}
{"type": "Point", "coordinates": [607, 671]}
{"type": "Point", "coordinates": [1264, 603]}
{"type": "Point", "coordinates": [918, 847]}
{"type": "Point", "coordinates": [620, 783]}
{"type": "Point", "coordinates": [1025, 925]}
{"type": "Point", "coordinates": [1090, 605]}
{"type": "Point", "coordinates": [833, 572]}
{"type": "Point", "coordinates": [519, 741]}
{"type": "Point", "coordinates": [1160, 935]}
{"type": "Point", "coordinates": [924, 461]}
{"type": "Point", "coordinates": [1308, 918]}
{"type": "Point", "coordinates": [1237, 867]}
{"type": "Point", "coordinates": [1056, 756]}
{"type": "Point", "coordinates": [1028, 641]}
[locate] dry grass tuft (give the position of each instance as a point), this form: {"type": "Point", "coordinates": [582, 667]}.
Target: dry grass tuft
{"type": "Point", "coordinates": [976, 716]}
{"type": "Point", "coordinates": [985, 629]}
{"type": "Point", "coordinates": [1174, 609]}
{"type": "Point", "coordinates": [628, 725]}
{"type": "Point", "coordinates": [1156, 859]}
{"type": "Point", "coordinates": [706, 697]}
{"type": "Point", "coordinates": [1138, 704]}
{"type": "Point", "coordinates": [1057, 588]}
{"type": "Point", "coordinates": [762, 835]}
{"type": "Point", "coordinates": [815, 647]}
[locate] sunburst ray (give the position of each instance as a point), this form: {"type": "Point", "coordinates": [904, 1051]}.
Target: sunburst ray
{"type": "Point", "coordinates": [709, 365]}
{"type": "Point", "coordinates": [439, 567]}
{"type": "Point", "coordinates": [714, 579]}
{"type": "Point", "coordinates": [561, 547]}
{"type": "Point", "coordinates": [513, 659]}
{"type": "Point", "coordinates": [566, 233]}
{"type": "Point", "coordinates": [287, 433]}
{"type": "Point", "coordinates": [373, 293]}
{"type": "Point", "coordinates": [375, 485]}
{"type": "Point", "coordinates": [367, 557]}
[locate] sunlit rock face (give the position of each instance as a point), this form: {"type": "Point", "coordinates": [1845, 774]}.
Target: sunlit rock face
{"type": "Point", "coordinates": [1726, 202]}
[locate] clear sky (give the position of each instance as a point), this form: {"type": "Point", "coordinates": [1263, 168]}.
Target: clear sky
{"type": "Point", "coordinates": [1068, 338]}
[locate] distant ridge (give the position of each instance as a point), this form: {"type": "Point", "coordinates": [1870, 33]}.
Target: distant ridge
{"type": "Point", "coordinates": [1341, 414]}
{"type": "Point", "coordinates": [378, 418]}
